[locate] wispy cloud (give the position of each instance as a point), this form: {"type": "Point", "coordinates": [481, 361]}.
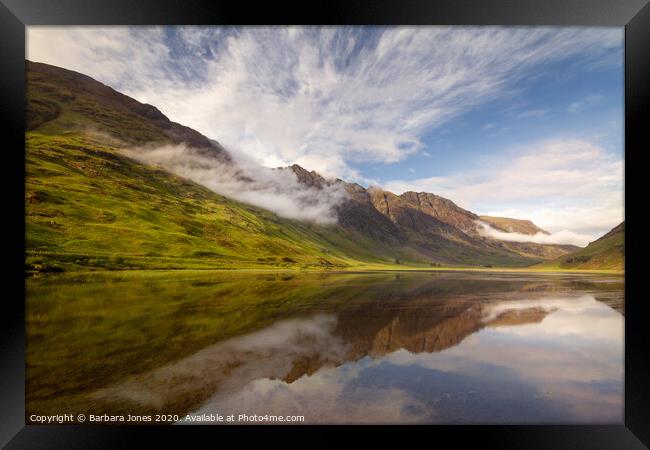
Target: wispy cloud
{"type": "Point", "coordinates": [335, 98]}
{"type": "Point", "coordinates": [581, 105]}
{"type": "Point", "coordinates": [322, 97]}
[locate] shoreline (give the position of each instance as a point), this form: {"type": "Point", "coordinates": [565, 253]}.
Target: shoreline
{"type": "Point", "coordinates": [350, 270]}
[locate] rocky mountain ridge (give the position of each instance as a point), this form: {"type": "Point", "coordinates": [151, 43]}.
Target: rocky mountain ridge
{"type": "Point", "coordinates": [76, 129]}
{"type": "Point", "coordinates": [426, 219]}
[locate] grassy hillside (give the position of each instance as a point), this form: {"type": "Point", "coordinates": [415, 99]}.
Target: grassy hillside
{"type": "Point", "coordinates": [88, 206]}
{"type": "Point", "coordinates": [607, 252]}
{"type": "Point", "coordinates": [61, 101]}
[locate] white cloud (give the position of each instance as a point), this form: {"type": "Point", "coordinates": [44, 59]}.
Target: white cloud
{"type": "Point", "coordinates": [334, 98]}
{"type": "Point", "coordinates": [244, 375]}
{"type": "Point", "coordinates": [580, 105]}
{"type": "Point", "coordinates": [559, 184]}
{"type": "Point", "coordinates": [592, 218]}
{"type": "Point", "coordinates": [329, 96]}
{"type": "Point", "coordinates": [275, 190]}
{"type": "Point", "coordinates": [565, 356]}
{"type": "Point", "coordinates": [561, 237]}
{"type": "Point", "coordinates": [327, 396]}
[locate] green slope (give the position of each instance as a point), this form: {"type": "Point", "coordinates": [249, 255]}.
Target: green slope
{"type": "Point", "coordinates": [607, 252]}
{"type": "Point", "coordinates": [89, 206]}
{"type": "Point", "coordinates": [60, 101]}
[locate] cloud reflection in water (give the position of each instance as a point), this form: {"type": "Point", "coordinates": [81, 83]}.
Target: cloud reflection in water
{"type": "Point", "coordinates": [522, 356]}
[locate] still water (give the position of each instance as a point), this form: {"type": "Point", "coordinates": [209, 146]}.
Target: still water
{"type": "Point", "coordinates": [431, 347]}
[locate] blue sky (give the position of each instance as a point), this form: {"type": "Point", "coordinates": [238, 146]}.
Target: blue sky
{"type": "Point", "coordinates": [582, 104]}
{"type": "Point", "coordinates": [523, 122]}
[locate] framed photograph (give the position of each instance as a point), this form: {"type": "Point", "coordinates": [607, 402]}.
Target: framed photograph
{"type": "Point", "coordinates": [399, 215]}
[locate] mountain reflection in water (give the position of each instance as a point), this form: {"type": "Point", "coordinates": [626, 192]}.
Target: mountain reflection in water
{"type": "Point", "coordinates": [372, 348]}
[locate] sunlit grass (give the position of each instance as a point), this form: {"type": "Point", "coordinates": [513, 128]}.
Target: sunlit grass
{"type": "Point", "coordinates": [88, 206]}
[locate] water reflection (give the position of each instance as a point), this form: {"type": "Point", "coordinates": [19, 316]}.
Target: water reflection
{"type": "Point", "coordinates": [371, 348]}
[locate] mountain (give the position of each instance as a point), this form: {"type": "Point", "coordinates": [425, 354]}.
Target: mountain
{"type": "Point", "coordinates": [606, 252]}
{"type": "Point", "coordinates": [60, 101]}
{"type": "Point", "coordinates": [508, 225]}
{"type": "Point", "coordinates": [442, 209]}
{"type": "Point", "coordinates": [414, 211]}
{"type": "Point", "coordinates": [429, 223]}
{"type": "Point", "coordinates": [89, 205]}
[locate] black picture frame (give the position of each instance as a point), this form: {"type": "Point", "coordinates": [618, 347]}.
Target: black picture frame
{"type": "Point", "coordinates": [634, 15]}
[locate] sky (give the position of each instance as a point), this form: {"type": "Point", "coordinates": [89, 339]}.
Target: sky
{"type": "Point", "coordinates": [523, 122]}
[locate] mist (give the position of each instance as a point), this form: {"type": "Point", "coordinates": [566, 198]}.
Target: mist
{"type": "Point", "coordinates": [564, 237]}
{"type": "Point", "coordinates": [245, 180]}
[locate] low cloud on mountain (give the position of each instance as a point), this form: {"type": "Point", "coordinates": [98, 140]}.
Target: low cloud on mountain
{"type": "Point", "coordinates": [564, 237]}
{"type": "Point", "coordinates": [276, 190]}
{"type": "Point", "coordinates": [559, 184]}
